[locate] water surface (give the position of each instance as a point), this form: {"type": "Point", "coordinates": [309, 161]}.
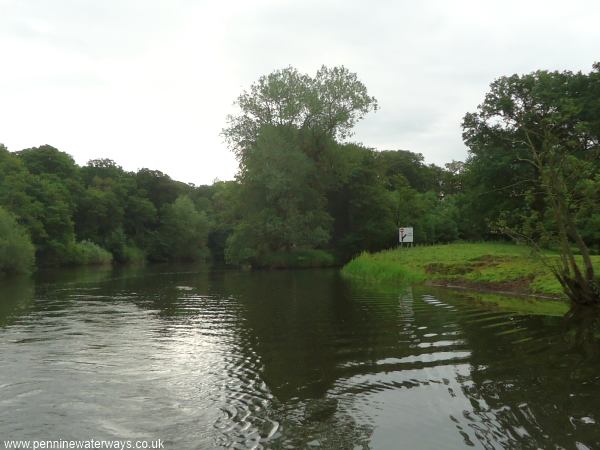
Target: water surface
{"type": "Point", "coordinates": [210, 359]}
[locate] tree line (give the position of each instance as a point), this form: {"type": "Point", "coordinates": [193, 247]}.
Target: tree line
{"type": "Point", "coordinates": [285, 210]}
{"type": "Point", "coordinates": [305, 196]}
{"type": "Point", "coordinates": [64, 214]}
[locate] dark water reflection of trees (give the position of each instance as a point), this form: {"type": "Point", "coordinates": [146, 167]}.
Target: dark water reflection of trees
{"type": "Point", "coordinates": [308, 336]}
{"type": "Point", "coordinates": [533, 384]}
{"type": "Point", "coordinates": [16, 296]}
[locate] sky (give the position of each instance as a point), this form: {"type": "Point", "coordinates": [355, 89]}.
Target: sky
{"type": "Point", "coordinates": [149, 83]}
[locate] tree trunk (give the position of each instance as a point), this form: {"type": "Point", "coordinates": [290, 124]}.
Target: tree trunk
{"type": "Point", "coordinates": [581, 290]}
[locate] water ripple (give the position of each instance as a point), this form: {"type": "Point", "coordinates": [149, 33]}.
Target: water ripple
{"type": "Point", "coordinates": [290, 360]}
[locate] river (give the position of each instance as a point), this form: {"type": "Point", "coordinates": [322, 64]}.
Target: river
{"type": "Point", "coordinates": [286, 359]}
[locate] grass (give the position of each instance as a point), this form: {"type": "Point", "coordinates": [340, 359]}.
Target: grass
{"type": "Point", "coordinates": [492, 266]}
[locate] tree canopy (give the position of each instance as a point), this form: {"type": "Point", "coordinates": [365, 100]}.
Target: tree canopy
{"type": "Point", "coordinates": [543, 130]}
{"type": "Point", "coordinates": [328, 104]}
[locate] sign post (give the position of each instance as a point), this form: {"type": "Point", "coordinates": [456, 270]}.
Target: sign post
{"type": "Point", "coordinates": [405, 235]}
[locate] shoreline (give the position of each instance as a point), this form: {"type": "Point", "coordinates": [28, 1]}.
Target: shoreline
{"type": "Point", "coordinates": [491, 290]}
{"type": "Point", "coordinates": [487, 268]}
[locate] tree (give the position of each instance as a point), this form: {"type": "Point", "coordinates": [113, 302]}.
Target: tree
{"type": "Point", "coordinates": [548, 125]}
{"type": "Point", "coordinates": [183, 232]}
{"type": "Point", "coordinates": [159, 188]}
{"type": "Point", "coordinates": [15, 195]}
{"type": "Point", "coordinates": [54, 209]}
{"type": "Point", "coordinates": [282, 209]}
{"type": "Point", "coordinates": [224, 211]}
{"type": "Point", "coordinates": [410, 167]}
{"type": "Point", "coordinates": [326, 105]}
{"type": "Point", "coordinates": [282, 137]}
{"type": "Point", "coordinates": [48, 160]}
{"type": "Point", "coordinates": [47, 185]}
{"type": "Point", "coordinates": [360, 203]}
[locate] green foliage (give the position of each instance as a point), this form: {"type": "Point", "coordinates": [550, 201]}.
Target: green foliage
{"type": "Point", "coordinates": [402, 167]}
{"type": "Point", "coordinates": [376, 269]}
{"type": "Point", "coordinates": [299, 189]}
{"type": "Point", "coordinates": [360, 203]}
{"type": "Point", "coordinates": [17, 253]}
{"type": "Point", "coordinates": [494, 266]}
{"type": "Point", "coordinates": [542, 130]}
{"type": "Point", "coordinates": [224, 199]}
{"type": "Point", "coordinates": [281, 207]}
{"type": "Point", "coordinates": [53, 209]}
{"type": "Point", "coordinates": [302, 195]}
{"type": "Point", "coordinates": [326, 105]}
{"type": "Point", "coordinates": [116, 242]}
{"type": "Point", "coordinates": [99, 212]}
{"type": "Point", "coordinates": [158, 187]}
{"type": "Point", "coordinates": [43, 201]}
{"type": "Point", "coordinates": [48, 160]}
{"type": "Point", "coordinates": [299, 193]}
{"type": "Point", "coordinates": [182, 234]}
{"type": "Point", "coordinates": [15, 195]}
{"type": "Point", "coordinates": [114, 211]}
{"type": "Point", "coordinates": [133, 255]}
{"type": "Point", "coordinates": [86, 253]}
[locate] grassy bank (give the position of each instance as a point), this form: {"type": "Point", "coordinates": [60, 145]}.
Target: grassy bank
{"type": "Point", "coordinates": [499, 267]}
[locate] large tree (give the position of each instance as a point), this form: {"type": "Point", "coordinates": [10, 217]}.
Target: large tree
{"type": "Point", "coordinates": [547, 124]}
{"type": "Point", "coordinates": [326, 105]}
{"type": "Point", "coordinates": [282, 208]}
{"type": "Point", "coordinates": [183, 232]}
{"type": "Point", "coordinates": [284, 131]}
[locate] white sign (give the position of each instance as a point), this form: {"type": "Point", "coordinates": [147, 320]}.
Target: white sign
{"type": "Point", "coordinates": [405, 234]}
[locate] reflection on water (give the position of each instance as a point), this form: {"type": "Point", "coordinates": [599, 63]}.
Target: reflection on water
{"type": "Point", "coordinates": [205, 359]}
{"type": "Point", "coordinates": [16, 295]}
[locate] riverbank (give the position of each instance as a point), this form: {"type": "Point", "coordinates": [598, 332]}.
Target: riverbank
{"type": "Point", "coordinates": [491, 266]}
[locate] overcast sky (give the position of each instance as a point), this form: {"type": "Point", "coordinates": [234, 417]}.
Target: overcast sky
{"type": "Point", "coordinates": [148, 83]}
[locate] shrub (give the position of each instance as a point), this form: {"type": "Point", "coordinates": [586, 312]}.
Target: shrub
{"type": "Point", "coordinates": [133, 254]}
{"type": "Point", "coordinates": [17, 253]}
{"type": "Point", "coordinates": [86, 253]}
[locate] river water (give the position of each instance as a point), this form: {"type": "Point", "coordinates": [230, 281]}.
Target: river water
{"type": "Point", "coordinates": [286, 359]}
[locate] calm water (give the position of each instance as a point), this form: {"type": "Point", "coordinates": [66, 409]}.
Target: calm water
{"type": "Point", "coordinates": [286, 360]}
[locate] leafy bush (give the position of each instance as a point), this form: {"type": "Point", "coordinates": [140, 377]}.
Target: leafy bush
{"type": "Point", "coordinates": [183, 233]}
{"type": "Point", "coordinates": [17, 253]}
{"type": "Point", "coordinates": [133, 254]}
{"type": "Point", "coordinates": [88, 253]}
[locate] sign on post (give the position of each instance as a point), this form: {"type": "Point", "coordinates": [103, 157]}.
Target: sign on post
{"type": "Point", "coordinates": [405, 235]}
